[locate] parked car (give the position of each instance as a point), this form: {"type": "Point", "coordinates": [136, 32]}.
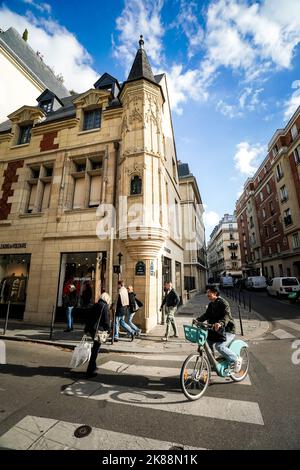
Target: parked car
{"type": "Point", "coordinates": [283, 286]}
{"type": "Point", "coordinates": [256, 282]}
{"type": "Point", "coordinates": [226, 281]}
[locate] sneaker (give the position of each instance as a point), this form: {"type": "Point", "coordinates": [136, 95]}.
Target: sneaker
{"type": "Point", "coordinates": [175, 336]}
{"type": "Point", "coordinates": [238, 365]}
{"type": "Point", "coordinates": [164, 338]}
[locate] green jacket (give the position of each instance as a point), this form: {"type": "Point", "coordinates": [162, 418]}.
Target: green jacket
{"type": "Point", "coordinates": [219, 312]}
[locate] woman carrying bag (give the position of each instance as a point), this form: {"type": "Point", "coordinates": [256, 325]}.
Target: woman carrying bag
{"type": "Point", "coordinates": [97, 326]}
{"type": "Point", "coordinates": [134, 305]}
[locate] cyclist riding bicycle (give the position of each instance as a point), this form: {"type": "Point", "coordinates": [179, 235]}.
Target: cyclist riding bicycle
{"type": "Point", "coordinates": [222, 332]}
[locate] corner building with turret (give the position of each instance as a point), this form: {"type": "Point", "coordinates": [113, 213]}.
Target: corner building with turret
{"type": "Point", "coordinates": [89, 194]}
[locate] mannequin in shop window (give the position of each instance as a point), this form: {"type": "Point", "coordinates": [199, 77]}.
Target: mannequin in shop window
{"type": "Point", "coordinates": [70, 301]}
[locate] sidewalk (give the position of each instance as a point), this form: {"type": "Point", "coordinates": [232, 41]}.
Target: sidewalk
{"type": "Point", "coordinates": [253, 327]}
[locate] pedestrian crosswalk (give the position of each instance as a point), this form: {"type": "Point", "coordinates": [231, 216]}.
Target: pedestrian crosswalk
{"type": "Point", "coordinates": [162, 398]}
{"type": "Point", "coordinates": [281, 333]}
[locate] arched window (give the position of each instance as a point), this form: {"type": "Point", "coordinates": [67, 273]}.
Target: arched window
{"type": "Point", "coordinates": [136, 185]}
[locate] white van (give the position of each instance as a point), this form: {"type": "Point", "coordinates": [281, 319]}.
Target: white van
{"type": "Point", "coordinates": [226, 281]}
{"type": "Point", "coordinates": [283, 286]}
{"type": "Point", "coordinates": [256, 282]}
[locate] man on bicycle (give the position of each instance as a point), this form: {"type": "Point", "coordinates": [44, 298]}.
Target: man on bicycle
{"type": "Point", "coordinates": [222, 333]}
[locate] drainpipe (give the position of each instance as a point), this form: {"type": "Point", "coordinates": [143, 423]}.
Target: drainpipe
{"type": "Point", "coordinates": [113, 228]}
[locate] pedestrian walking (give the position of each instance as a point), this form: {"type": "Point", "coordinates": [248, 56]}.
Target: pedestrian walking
{"type": "Point", "coordinates": [122, 305]}
{"type": "Point", "coordinates": [171, 302]}
{"type": "Point", "coordinates": [70, 301]}
{"type": "Point", "coordinates": [97, 323]}
{"type": "Point", "coordinates": [163, 307]}
{"type": "Point", "coordinates": [134, 305]}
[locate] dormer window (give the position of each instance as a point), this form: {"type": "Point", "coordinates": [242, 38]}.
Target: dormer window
{"type": "Point", "coordinates": [25, 134]}
{"type": "Point", "coordinates": [46, 106]}
{"type": "Point", "coordinates": [92, 119]}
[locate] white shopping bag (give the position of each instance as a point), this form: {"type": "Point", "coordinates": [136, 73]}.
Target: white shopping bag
{"type": "Point", "coordinates": [82, 353]}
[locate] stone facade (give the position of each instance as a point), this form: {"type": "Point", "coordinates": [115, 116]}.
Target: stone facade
{"type": "Point", "coordinates": [275, 194]}
{"type": "Point", "coordinates": [59, 189]}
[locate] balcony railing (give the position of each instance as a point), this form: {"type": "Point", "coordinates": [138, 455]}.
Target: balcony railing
{"type": "Point", "coordinates": [233, 246]}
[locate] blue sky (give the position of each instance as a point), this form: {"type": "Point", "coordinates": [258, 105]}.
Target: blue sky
{"type": "Point", "coordinates": [232, 68]}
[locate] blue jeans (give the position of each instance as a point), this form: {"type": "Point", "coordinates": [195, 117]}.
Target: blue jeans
{"type": "Point", "coordinates": [223, 349]}
{"type": "Point", "coordinates": [120, 320]}
{"type": "Point", "coordinates": [69, 317]}
{"type": "Point", "coordinates": [130, 323]}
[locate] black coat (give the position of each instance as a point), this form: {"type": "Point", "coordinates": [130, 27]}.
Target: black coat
{"type": "Point", "coordinates": [219, 312]}
{"type": "Point", "coordinates": [93, 315]}
{"type": "Point", "coordinates": [171, 299]}
{"type": "Point", "coordinates": [133, 301]}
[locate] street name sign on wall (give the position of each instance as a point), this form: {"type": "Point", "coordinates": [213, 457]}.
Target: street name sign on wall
{"type": "Point", "coordinates": [140, 268]}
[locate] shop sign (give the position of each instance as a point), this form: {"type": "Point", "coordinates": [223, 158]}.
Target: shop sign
{"type": "Point", "coordinates": [8, 246]}
{"type": "Point", "coordinates": [140, 268]}
{"type": "Point", "coordinates": [152, 268]}
{"type": "Point", "coordinates": [117, 269]}
{"type": "Point", "coordinates": [167, 250]}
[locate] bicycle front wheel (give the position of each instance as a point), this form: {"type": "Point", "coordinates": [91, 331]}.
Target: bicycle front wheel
{"type": "Point", "coordinates": [242, 374]}
{"type": "Point", "coordinates": [195, 376]}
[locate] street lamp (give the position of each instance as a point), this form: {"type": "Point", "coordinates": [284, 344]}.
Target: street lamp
{"type": "Point", "coordinates": [119, 255]}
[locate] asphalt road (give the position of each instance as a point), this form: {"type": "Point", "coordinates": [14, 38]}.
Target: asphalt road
{"type": "Point", "coordinates": [145, 401]}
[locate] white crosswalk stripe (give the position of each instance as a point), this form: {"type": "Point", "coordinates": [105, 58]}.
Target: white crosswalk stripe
{"type": "Point", "coordinates": [282, 334]}
{"type": "Point", "coordinates": [210, 407]}
{"type": "Point", "coordinates": [36, 433]}
{"type": "Point", "coordinates": [290, 324]}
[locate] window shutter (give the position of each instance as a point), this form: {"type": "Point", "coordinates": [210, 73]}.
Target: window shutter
{"type": "Point", "coordinates": [79, 193]}
{"type": "Point", "coordinates": [95, 191]}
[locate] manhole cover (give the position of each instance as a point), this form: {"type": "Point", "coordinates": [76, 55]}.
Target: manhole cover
{"type": "Point", "coordinates": [82, 431]}
{"type": "Point", "coordinates": [176, 448]}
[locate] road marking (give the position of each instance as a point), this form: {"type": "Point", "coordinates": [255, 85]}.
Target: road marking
{"type": "Point", "coordinates": [36, 433]}
{"type": "Point", "coordinates": [290, 324]}
{"type": "Point", "coordinates": [2, 352]}
{"type": "Point", "coordinates": [282, 334]}
{"type": "Point", "coordinates": [157, 372]}
{"type": "Point", "coordinates": [173, 402]}
{"type": "Point", "coordinates": [162, 357]}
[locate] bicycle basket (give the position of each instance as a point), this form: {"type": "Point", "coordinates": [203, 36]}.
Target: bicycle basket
{"type": "Point", "coordinates": [195, 335]}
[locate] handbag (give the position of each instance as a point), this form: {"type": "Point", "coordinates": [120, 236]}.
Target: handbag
{"type": "Point", "coordinates": [100, 335]}
{"type": "Point", "coordinates": [81, 353]}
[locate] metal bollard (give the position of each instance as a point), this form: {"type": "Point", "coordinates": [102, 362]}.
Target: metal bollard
{"type": "Point", "coordinates": [239, 297]}
{"type": "Point", "coordinates": [244, 302]}
{"type": "Point", "coordinates": [240, 318]}
{"type": "Point", "coordinates": [250, 304]}
{"type": "Point", "coordinates": [6, 319]}
{"type": "Point", "coordinates": [52, 322]}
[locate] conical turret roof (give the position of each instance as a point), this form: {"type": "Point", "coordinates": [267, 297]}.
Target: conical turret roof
{"type": "Point", "coordinates": [141, 67]}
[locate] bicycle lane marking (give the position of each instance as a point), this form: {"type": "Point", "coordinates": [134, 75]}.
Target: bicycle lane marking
{"type": "Point", "coordinates": [282, 334]}
{"type": "Point", "coordinates": [173, 402]}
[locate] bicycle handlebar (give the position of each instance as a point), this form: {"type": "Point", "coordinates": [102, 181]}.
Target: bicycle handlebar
{"type": "Point", "coordinates": [199, 324]}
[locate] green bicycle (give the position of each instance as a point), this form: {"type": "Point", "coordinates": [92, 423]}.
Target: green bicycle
{"type": "Point", "coordinates": [196, 370]}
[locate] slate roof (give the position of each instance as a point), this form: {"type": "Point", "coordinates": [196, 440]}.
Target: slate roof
{"type": "Point", "coordinates": [13, 43]}
{"type": "Point", "coordinates": [141, 67]}
{"type": "Point", "coordinates": [183, 170]}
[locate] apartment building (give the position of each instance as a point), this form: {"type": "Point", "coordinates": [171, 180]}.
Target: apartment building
{"type": "Point", "coordinates": [223, 251]}
{"type": "Point", "coordinates": [193, 232]}
{"type": "Point", "coordinates": [270, 234]}
{"type": "Point", "coordinates": [89, 194]}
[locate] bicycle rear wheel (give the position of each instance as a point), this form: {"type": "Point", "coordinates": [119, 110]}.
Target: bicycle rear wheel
{"type": "Point", "coordinates": [239, 376]}
{"type": "Point", "coordinates": [195, 376]}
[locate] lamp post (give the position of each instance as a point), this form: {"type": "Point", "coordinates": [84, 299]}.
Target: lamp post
{"type": "Point", "coordinates": [119, 255]}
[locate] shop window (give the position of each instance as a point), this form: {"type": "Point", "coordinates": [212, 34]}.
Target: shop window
{"type": "Point", "coordinates": [87, 271]}
{"type": "Point", "coordinates": [14, 272]}
{"type": "Point", "coordinates": [135, 185]}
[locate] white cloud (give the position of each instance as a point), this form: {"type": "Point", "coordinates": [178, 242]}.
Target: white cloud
{"type": "Point", "coordinates": [228, 110]}
{"type": "Point", "coordinates": [42, 7]}
{"type": "Point", "coordinates": [210, 219]}
{"type": "Point", "coordinates": [292, 104]}
{"type": "Point", "coordinates": [247, 157]}
{"type": "Point", "coordinates": [187, 21]}
{"type": "Point", "coordinates": [60, 48]}
{"type": "Point", "coordinates": [137, 18]}
{"type": "Point", "coordinates": [253, 38]}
